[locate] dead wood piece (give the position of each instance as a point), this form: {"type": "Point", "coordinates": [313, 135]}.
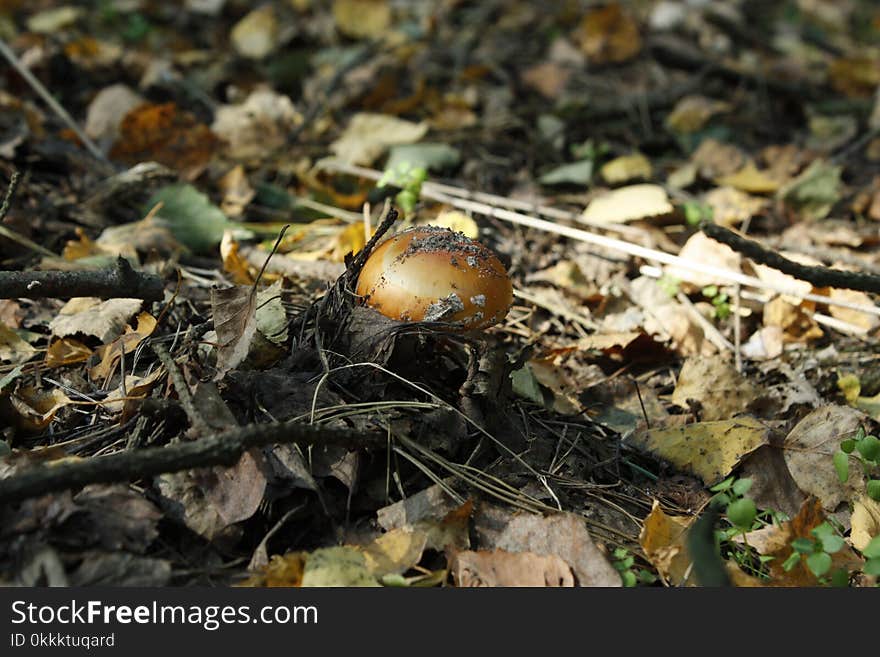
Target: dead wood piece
{"type": "Point", "coordinates": [224, 449]}
{"type": "Point", "coordinates": [818, 276]}
{"type": "Point", "coordinates": [118, 282]}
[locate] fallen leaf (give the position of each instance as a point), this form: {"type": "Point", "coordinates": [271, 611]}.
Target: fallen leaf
{"type": "Point", "coordinates": [691, 113]}
{"type": "Point", "coordinates": [750, 179]}
{"type": "Point", "coordinates": [716, 385]}
{"type": "Point", "coordinates": [563, 535]}
{"type": "Point", "coordinates": [857, 318]}
{"type": "Point", "coordinates": [864, 521]}
{"type": "Point", "coordinates": [66, 351]}
{"type": "Point", "coordinates": [764, 344]}
{"type": "Point", "coordinates": [715, 159]}
{"type": "Point", "coordinates": [253, 129]}
{"type": "Point", "coordinates": [664, 541]}
{"type": "Point", "coordinates": [126, 343]}
{"type": "Point", "coordinates": [456, 221]}
{"type": "Point", "coordinates": [164, 134]}
{"type": "Point", "coordinates": [798, 326]}
{"type": "Point", "coordinates": [547, 78]}
{"type": "Point", "coordinates": [12, 348]}
{"type": "Point", "coordinates": [190, 216]}
{"type": "Point", "coordinates": [256, 35]}
{"type": "Point", "coordinates": [626, 168]}
{"type": "Point", "coordinates": [337, 566]}
{"type": "Point", "coordinates": [105, 320]}
{"type": "Point", "coordinates": [809, 449]}
{"type": "Point", "coordinates": [709, 450]}
{"type": "Point", "coordinates": [362, 19]}
{"type": "Point", "coordinates": [627, 204]}
{"type": "Point", "coordinates": [237, 192]}
{"type": "Point", "coordinates": [427, 155]}
{"type": "Point", "coordinates": [502, 568]}
{"type": "Point", "coordinates": [576, 173]}
{"type": "Point", "coordinates": [814, 192]}
{"type": "Point", "coordinates": [703, 250]}
{"type": "Point", "coordinates": [608, 35]}
{"type": "Point", "coordinates": [37, 408]}
{"type": "Point", "coordinates": [235, 321]}
{"type": "Point", "coordinates": [732, 207]}
{"type": "Point", "coordinates": [368, 136]}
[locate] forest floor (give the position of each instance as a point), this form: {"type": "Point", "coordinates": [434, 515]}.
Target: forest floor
{"type": "Point", "coordinates": [684, 391]}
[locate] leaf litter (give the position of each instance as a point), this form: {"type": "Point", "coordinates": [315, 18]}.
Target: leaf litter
{"type": "Point", "coordinates": [625, 386]}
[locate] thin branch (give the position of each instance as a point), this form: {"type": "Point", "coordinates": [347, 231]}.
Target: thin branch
{"type": "Point", "coordinates": [224, 449]}
{"type": "Point", "coordinates": [818, 276]}
{"type": "Point", "coordinates": [117, 282]}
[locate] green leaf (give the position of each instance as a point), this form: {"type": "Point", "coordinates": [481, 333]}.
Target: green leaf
{"type": "Point", "coordinates": [819, 563]}
{"type": "Point", "coordinates": [723, 485]}
{"type": "Point", "coordinates": [803, 545]}
{"type": "Point", "coordinates": [742, 513]}
{"type": "Point", "coordinates": [832, 543]}
{"type": "Point", "coordinates": [526, 385]}
{"type": "Point", "coordinates": [869, 448]}
{"type": "Point", "coordinates": [629, 579]}
{"type": "Point", "coordinates": [792, 561]}
{"type": "Point", "coordinates": [847, 446]}
{"type": "Point", "coordinates": [872, 550]}
{"type": "Point", "coordinates": [873, 488]}
{"type": "Point", "coordinates": [872, 567]}
{"type": "Point", "coordinates": [424, 155]}
{"type": "Point", "coordinates": [742, 486]}
{"type": "Point", "coordinates": [194, 221]}
{"type": "Point", "coordinates": [710, 291]}
{"type": "Point", "coordinates": [576, 173]}
{"type": "Point", "coordinates": [841, 465]}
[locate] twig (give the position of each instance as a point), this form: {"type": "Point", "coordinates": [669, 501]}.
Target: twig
{"type": "Point", "coordinates": [223, 449]}
{"type": "Point", "coordinates": [14, 179]}
{"type": "Point", "coordinates": [37, 86]}
{"type": "Point", "coordinates": [818, 276]}
{"type": "Point", "coordinates": [118, 282]}
{"type": "Point", "coordinates": [197, 422]}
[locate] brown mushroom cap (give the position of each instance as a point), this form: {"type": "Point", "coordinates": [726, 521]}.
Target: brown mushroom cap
{"type": "Point", "coordinates": [432, 274]}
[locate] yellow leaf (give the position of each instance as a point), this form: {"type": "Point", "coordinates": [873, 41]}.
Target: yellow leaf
{"type": "Point", "coordinates": [625, 168]}
{"type": "Point", "coordinates": [709, 450]}
{"type": "Point", "coordinates": [751, 179]}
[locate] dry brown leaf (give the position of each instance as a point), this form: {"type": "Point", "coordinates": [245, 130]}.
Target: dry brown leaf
{"type": "Point", "coordinates": [731, 206]}
{"type": "Point", "coordinates": [664, 540]}
{"type": "Point", "coordinates": [368, 136]}
{"type": "Point", "coordinates": [608, 35]}
{"type": "Point", "coordinates": [547, 78]}
{"type": "Point", "coordinates": [237, 191]}
{"type": "Point", "coordinates": [235, 321]}
{"type": "Point", "coordinates": [105, 320]}
{"type": "Point", "coordinates": [66, 351]}
{"type": "Point", "coordinates": [164, 134]}
{"type": "Point", "coordinates": [715, 159]}
{"type": "Point", "coordinates": [691, 113]}
{"type": "Point", "coordinates": [779, 541]}
{"type": "Point", "coordinates": [252, 130]}
{"type": "Point", "coordinates": [855, 317]}
{"type": "Point", "coordinates": [809, 449]}
{"type": "Point", "coordinates": [37, 408]}
{"type": "Point", "coordinates": [864, 521]}
{"type": "Point", "coordinates": [564, 535]}
{"type": "Point", "coordinates": [704, 250]}
{"type": "Point", "coordinates": [12, 348]}
{"type": "Point", "coordinates": [716, 385]}
{"type": "Point", "coordinates": [126, 343]}
{"type": "Point", "coordinates": [502, 568]}
{"type": "Point", "coordinates": [798, 326]}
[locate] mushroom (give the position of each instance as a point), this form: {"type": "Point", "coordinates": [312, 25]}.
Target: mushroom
{"type": "Point", "coordinates": [432, 274]}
